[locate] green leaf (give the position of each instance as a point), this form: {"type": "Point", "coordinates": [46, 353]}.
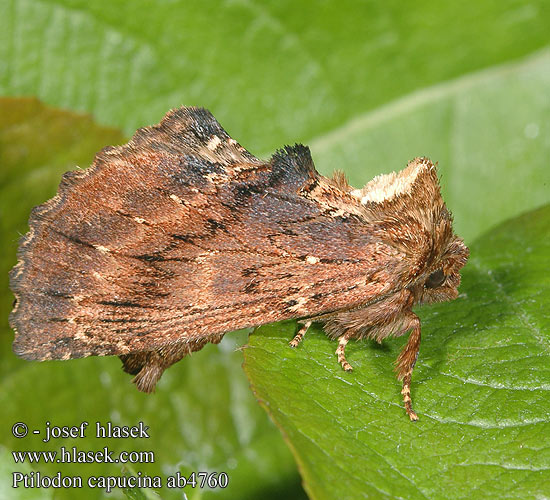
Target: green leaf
{"type": "Point", "coordinates": [203, 416]}
{"type": "Point", "coordinates": [488, 131]}
{"type": "Point", "coordinates": [481, 388]}
{"type": "Point", "coordinates": [10, 472]}
{"type": "Point", "coordinates": [272, 72]}
{"type": "Point", "coordinates": [135, 493]}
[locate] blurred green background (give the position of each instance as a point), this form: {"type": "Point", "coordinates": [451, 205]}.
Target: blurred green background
{"type": "Point", "coordinates": [368, 85]}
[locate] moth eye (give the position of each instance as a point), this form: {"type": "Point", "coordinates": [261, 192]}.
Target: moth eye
{"type": "Point", "coordinates": [435, 279]}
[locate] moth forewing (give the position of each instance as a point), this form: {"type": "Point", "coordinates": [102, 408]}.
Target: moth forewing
{"type": "Point", "coordinates": [169, 242]}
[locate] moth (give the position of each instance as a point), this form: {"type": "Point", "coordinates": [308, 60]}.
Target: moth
{"type": "Point", "coordinates": [170, 241]}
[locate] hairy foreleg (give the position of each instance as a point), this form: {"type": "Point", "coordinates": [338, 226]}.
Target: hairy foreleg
{"type": "Point", "coordinates": [406, 361]}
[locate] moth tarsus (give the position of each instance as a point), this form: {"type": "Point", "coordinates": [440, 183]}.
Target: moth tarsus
{"type": "Point", "coordinates": [341, 354]}
{"type": "Point", "coordinates": [300, 334]}
{"type": "Point", "coordinates": [169, 242]}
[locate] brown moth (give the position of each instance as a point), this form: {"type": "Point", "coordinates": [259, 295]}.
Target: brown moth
{"type": "Point", "coordinates": [181, 235]}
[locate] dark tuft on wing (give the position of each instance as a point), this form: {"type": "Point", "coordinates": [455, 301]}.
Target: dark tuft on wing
{"type": "Point", "coordinates": [292, 168]}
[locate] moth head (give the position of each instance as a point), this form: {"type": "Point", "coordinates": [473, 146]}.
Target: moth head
{"type": "Point", "coordinates": [441, 281]}
{"type": "Point", "coordinates": [408, 209]}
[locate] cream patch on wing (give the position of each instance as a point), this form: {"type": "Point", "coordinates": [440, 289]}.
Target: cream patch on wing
{"type": "Point", "coordinates": [102, 248]}
{"type": "Point", "coordinates": [213, 143]}
{"type": "Point", "coordinates": [388, 186]}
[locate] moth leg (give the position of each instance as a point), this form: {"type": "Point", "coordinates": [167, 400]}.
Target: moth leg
{"type": "Point", "coordinates": [300, 335]}
{"type": "Point", "coordinates": [406, 362]}
{"type": "Point", "coordinates": [340, 352]}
